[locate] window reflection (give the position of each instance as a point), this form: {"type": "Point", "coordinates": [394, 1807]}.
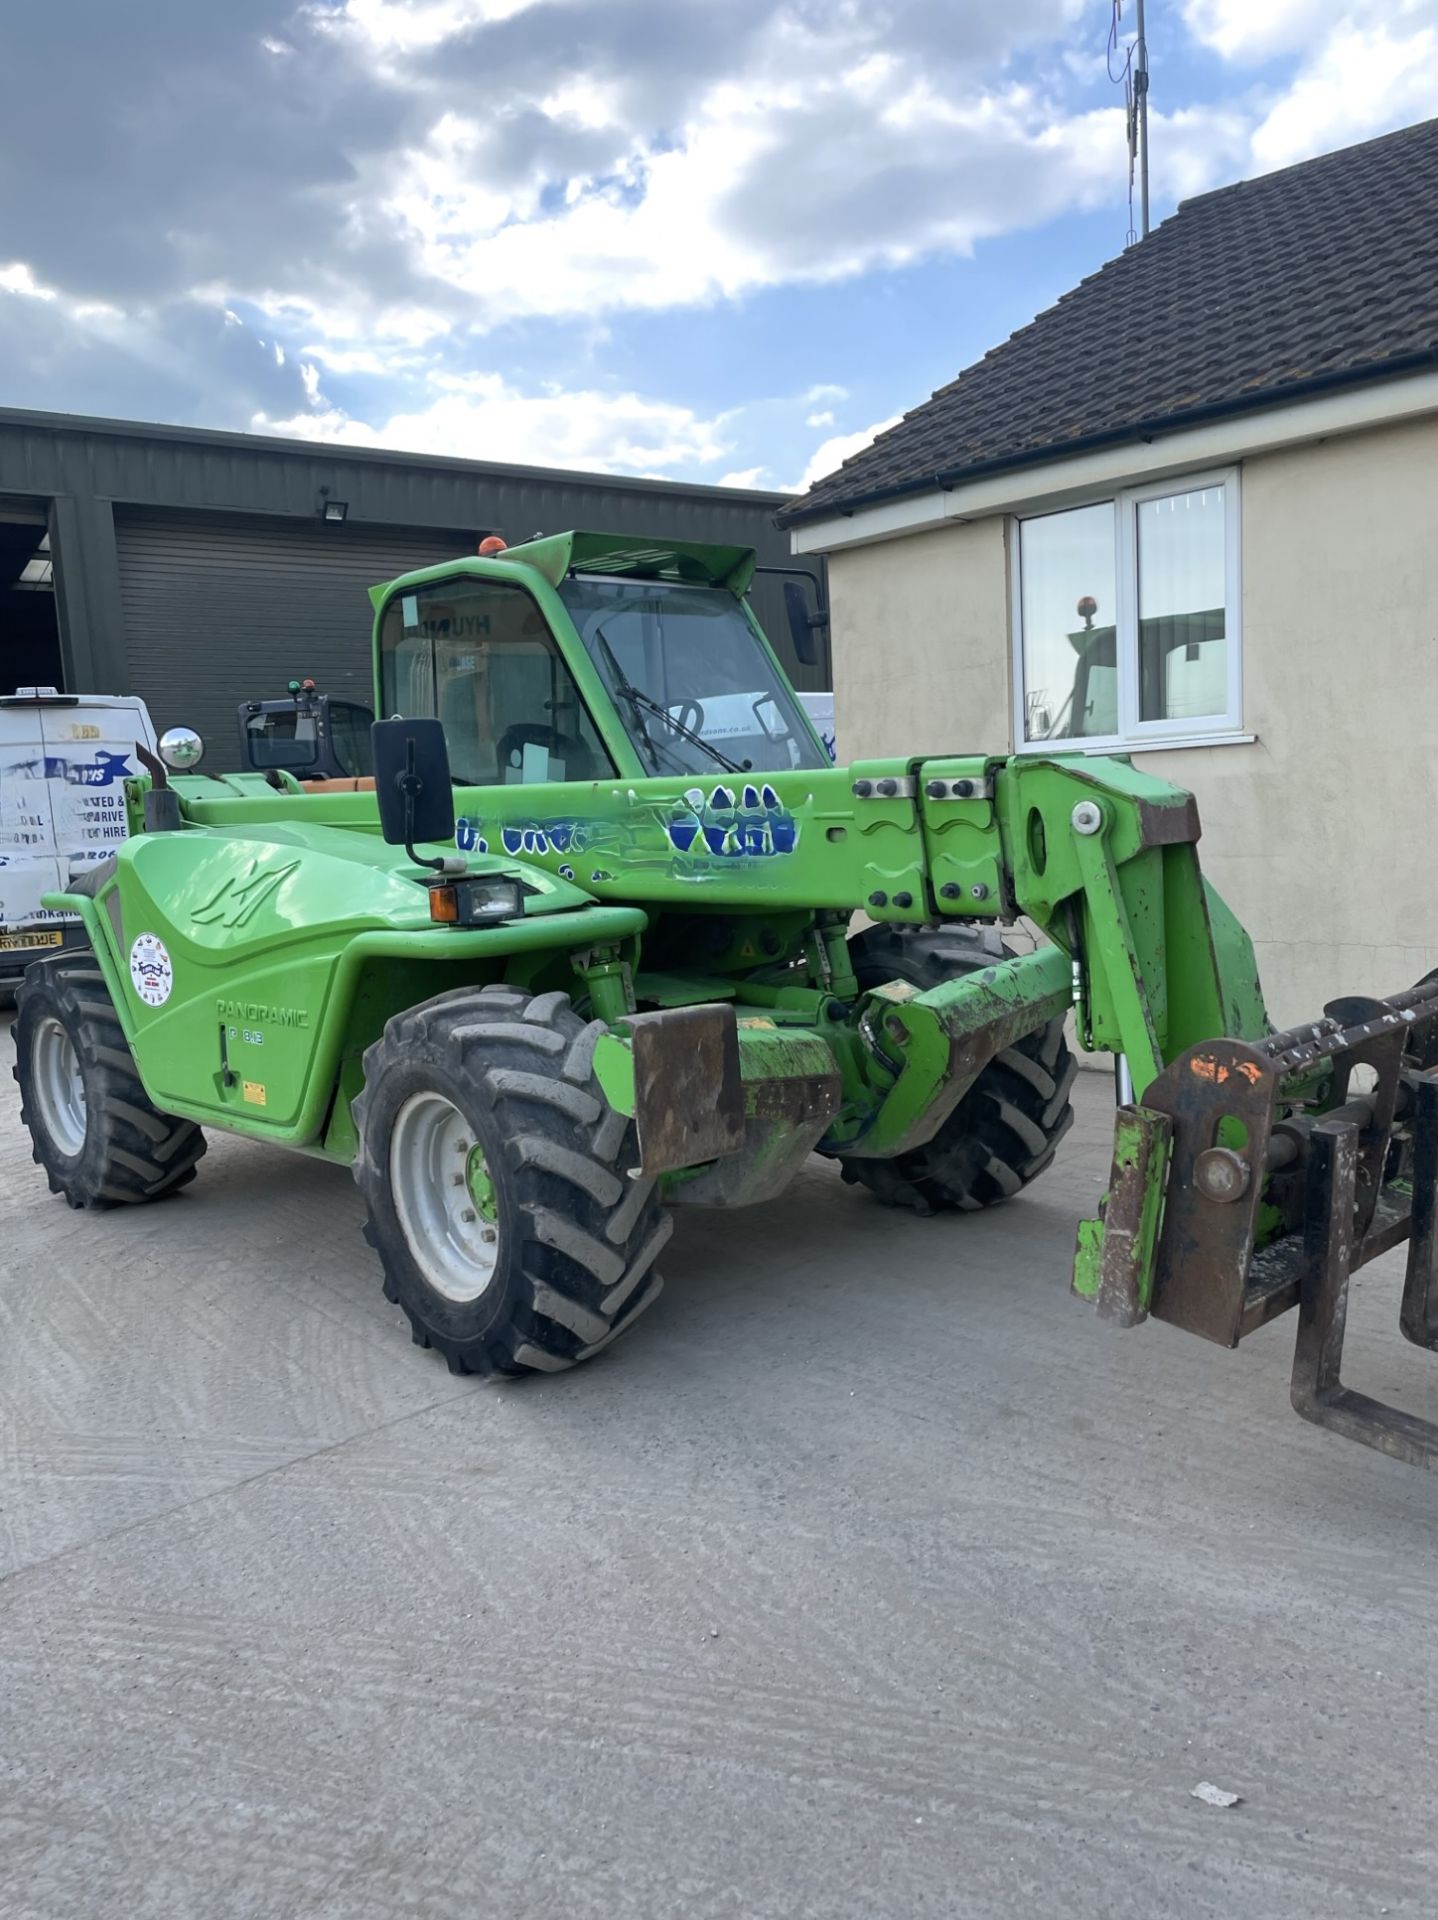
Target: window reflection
{"type": "Point", "coordinates": [1067, 574]}
{"type": "Point", "coordinates": [1182, 629]}
{"type": "Point", "coordinates": [1123, 615]}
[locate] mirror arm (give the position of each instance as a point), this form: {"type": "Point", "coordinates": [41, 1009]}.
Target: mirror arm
{"type": "Point", "coordinates": [799, 573]}
{"type": "Point", "coordinates": [411, 786]}
{"type": "Point", "coordinates": [820, 616]}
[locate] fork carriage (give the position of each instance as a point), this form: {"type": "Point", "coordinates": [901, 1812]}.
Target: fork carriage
{"type": "Point", "coordinates": [1252, 1178]}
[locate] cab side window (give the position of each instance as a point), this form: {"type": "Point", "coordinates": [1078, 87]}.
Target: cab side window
{"type": "Point", "coordinates": [349, 737]}
{"type": "Point", "coordinates": [478, 655]}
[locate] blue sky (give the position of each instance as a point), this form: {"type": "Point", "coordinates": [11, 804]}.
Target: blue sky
{"type": "Point", "coordinates": [718, 240]}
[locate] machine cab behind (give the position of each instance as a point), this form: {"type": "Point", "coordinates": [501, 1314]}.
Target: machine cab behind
{"type": "Point", "coordinates": [308, 734]}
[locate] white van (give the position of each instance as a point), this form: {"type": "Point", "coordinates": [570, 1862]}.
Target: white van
{"type": "Point", "coordinates": [63, 760]}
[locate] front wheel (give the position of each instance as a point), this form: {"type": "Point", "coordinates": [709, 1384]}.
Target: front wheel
{"type": "Point", "coordinates": [495, 1175]}
{"type": "Point", "coordinates": [94, 1130]}
{"type": "Point", "coordinates": [1007, 1127]}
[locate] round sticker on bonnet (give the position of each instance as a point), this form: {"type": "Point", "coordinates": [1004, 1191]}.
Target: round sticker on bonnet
{"type": "Point", "coordinates": [150, 969]}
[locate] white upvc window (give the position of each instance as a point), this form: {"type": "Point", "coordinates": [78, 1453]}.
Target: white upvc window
{"type": "Point", "coordinates": [1126, 618]}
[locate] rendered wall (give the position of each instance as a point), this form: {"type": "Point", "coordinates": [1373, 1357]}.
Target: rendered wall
{"type": "Point", "coordinates": [1323, 835]}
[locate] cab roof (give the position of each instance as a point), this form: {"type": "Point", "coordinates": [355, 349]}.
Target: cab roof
{"type": "Point", "coordinates": [626, 555]}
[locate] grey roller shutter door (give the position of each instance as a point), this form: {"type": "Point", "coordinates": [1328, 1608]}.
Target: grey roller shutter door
{"type": "Point", "coordinates": [222, 610]}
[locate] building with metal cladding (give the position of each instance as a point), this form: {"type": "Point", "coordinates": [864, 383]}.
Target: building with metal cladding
{"type": "Point", "coordinates": [200, 569]}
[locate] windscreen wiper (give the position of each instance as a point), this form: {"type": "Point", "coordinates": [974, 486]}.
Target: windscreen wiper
{"type": "Point", "coordinates": [640, 703]}
{"type": "Point", "coordinates": [688, 733]}
{"type": "Point", "coordinates": [630, 695]}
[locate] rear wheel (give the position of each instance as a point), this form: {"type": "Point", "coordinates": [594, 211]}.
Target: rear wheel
{"type": "Point", "coordinates": [92, 1125]}
{"type": "Point", "coordinates": [1007, 1127]}
{"type": "Point", "coordinates": [495, 1175]}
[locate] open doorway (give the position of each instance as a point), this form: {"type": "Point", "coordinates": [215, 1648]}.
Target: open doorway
{"type": "Point", "coordinates": [29, 625]}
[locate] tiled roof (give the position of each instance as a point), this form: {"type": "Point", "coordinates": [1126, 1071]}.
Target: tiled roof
{"type": "Point", "coordinates": [1322, 274]}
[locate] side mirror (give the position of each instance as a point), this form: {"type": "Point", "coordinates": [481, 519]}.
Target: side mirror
{"type": "Point", "coordinates": [181, 748]}
{"type": "Point", "coordinates": [802, 623]}
{"type": "Point", "coordinates": [412, 784]}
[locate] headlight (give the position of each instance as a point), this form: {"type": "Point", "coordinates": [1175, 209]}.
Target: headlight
{"type": "Point", "coordinates": [477, 900]}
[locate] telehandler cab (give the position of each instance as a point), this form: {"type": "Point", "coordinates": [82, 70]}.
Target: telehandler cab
{"type": "Point", "coordinates": [313, 735]}
{"type": "Point", "coordinates": [581, 952]}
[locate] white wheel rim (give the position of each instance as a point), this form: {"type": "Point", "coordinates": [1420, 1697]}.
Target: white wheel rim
{"type": "Point", "coordinates": [444, 1197]}
{"type": "Point", "coordinates": [59, 1087]}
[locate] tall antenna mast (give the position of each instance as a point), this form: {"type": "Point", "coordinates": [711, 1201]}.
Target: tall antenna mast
{"type": "Point", "coordinates": [1133, 76]}
{"type": "Point", "coordinates": [1140, 98]}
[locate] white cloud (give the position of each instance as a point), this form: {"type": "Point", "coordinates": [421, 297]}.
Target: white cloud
{"type": "Point", "coordinates": [749, 477]}
{"type": "Point", "coordinates": [1363, 67]}
{"type": "Point", "coordinates": [1360, 81]}
{"type": "Point", "coordinates": [1252, 30]}
{"type": "Point", "coordinates": [393, 361]}
{"type": "Point", "coordinates": [18, 278]}
{"type": "Point", "coordinates": [833, 452]}
{"type": "Point", "coordinates": [1195, 148]}
{"type": "Point", "coordinates": [825, 419]}
{"type": "Point", "coordinates": [480, 416]}
{"type": "Point", "coordinates": [675, 158]}
{"type": "Point", "coordinates": [388, 27]}
{"type": "Point", "coordinates": [697, 221]}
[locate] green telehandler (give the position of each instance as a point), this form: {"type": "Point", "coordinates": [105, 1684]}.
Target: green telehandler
{"type": "Point", "coordinates": [581, 952]}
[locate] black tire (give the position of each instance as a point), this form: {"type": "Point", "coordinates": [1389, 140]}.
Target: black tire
{"type": "Point", "coordinates": [129, 1151]}
{"type": "Point", "coordinates": [575, 1238]}
{"type": "Point", "coordinates": [1007, 1127]}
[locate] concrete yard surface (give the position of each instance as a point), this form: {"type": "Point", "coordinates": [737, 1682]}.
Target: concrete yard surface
{"type": "Point", "coordinates": [870, 1576]}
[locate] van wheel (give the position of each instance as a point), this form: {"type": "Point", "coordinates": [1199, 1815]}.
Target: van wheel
{"type": "Point", "coordinates": [93, 1128]}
